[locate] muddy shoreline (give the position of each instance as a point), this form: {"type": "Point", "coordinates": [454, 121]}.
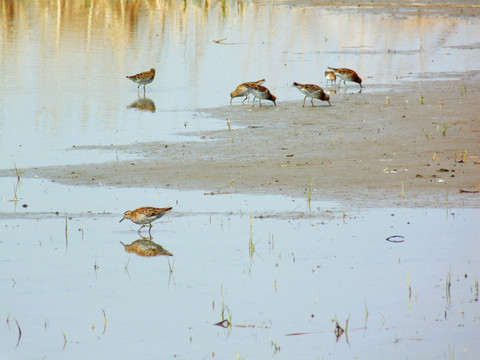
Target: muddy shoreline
{"type": "Point", "coordinates": [369, 149]}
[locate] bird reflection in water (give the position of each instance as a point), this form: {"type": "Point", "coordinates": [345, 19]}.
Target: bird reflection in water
{"type": "Point", "coordinates": [143, 103]}
{"type": "Point", "coordinates": [146, 247]}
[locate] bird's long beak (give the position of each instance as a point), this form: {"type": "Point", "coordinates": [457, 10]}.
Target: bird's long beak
{"type": "Point", "coordinates": [122, 219]}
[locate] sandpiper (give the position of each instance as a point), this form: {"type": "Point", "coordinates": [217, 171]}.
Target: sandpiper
{"type": "Point", "coordinates": [145, 215]}
{"type": "Point", "coordinates": [347, 75]}
{"type": "Point", "coordinates": [242, 90]}
{"type": "Point", "coordinates": [261, 92]}
{"type": "Point", "coordinates": [143, 78]}
{"type": "Point", "coordinates": [146, 247]}
{"type": "Point", "coordinates": [330, 75]}
{"type": "Point", "coordinates": [312, 91]}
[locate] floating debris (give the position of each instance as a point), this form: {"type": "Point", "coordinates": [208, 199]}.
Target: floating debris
{"type": "Point", "coordinates": [394, 238]}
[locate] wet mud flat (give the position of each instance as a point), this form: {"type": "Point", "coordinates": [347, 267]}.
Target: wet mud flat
{"type": "Point", "coordinates": [411, 145]}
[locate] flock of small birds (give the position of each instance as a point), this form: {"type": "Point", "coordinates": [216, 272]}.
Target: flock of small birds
{"type": "Point", "coordinates": [309, 90]}
{"type": "Point", "coordinates": [146, 215]}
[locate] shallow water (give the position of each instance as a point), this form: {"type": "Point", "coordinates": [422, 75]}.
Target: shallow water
{"type": "Point", "coordinates": [281, 269]}
{"type": "Point", "coordinates": [307, 268]}
{"type": "Point", "coordinates": [63, 81]}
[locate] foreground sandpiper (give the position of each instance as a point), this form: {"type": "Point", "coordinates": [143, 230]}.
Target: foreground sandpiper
{"type": "Point", "coordinates": [312, 91]}
{"type": "Point", "coordinates": [347, 75]}
{"type": "Point", "coordinates": [261, 92]}
{"type": "Point", "coordinates": [145, 215]}
{"type": "Point", "coordinates": [243, 90]}
{"type": "Point", "coordinates": [143, 78]}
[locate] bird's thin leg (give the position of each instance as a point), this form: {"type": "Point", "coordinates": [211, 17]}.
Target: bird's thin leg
{"type": "Point", "coordinates": [304, 101]}
{"type": "Point", "coordinates": [244, 99]}
{"type": "Point", "coordinates": [260, 101]}
{"type": "Point", "coordinates": [312, 103]}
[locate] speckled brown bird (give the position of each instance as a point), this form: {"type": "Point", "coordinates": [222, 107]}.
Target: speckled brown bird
{"type": "Point", "coordinates": [143, 78]}
{"type": "Point", "coordinates": [243, 90]}
{"type": "Point", "coordinates": [145, 215]}
{"type": "Point", "coordinates": [261, 92]}
{"type": "Point", "coordinates": [347, 75]}
{"type": "Point", "coordinates": [146, 247]}
{"type": "Point", "coordinates": [312, 91]}
{"type": "Point", "coordinates": [330, 75]}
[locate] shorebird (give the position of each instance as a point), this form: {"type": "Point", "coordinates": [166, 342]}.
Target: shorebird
{"type": "Point", "coordinates": [143, 78]}
{"type": "Point", "coordinates": [312, 91]}
{"type": "Point", "coordinates": [145, 215]}
{"type": "Point", "coordinates": [330, 75]}
{"type": "Point", "coordinates": [347, 75]}
{"type": "Point", "coordinates": [146, 247]}
{"type": "Point", "coordinates": [242, 90]}
{"type": "Point", "coordinates": [261, 92]}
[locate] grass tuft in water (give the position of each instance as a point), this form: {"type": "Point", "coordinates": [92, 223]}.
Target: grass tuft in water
{"type": "Point", "coordinates": [476, 290]}
{"type": "Point", "coordinates": [276, 347]}
{"type": "Point", "coordinates": [64, 340]}
{"type": "Point", "coordinates": [19, 333]}
{"type": "Point", "coordinates": [448, 285]}
{"type": "Point", "coordinates": [309, 194]}
{"type": "Point", "coordinates": [446, 126]}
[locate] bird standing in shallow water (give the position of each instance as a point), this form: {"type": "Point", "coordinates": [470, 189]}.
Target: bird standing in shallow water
{"type": "Point", "coordinates": [330, 75]}
{"type": "Point", "coordinates": [347, 75]}
{"type": "Point", "coordinates": [312, 91]}
{"type": "Point", "coordinates": [243, 90]}
{"type": "Point", "coordinates": [145, 215]}
{"type": "Point", "coordinates": [261, 92]}
{"type": "Point", "coordinates": [143, 78]}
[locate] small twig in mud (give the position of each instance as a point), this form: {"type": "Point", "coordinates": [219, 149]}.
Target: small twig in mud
{"type": "Point", "coordinates": [393, 237]}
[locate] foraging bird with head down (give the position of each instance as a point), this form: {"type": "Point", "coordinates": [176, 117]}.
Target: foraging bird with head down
{"type": "Point", "coordinates": [312, 91]}
{"type": "Point", "coordinates": [261, 92]}
{"type": "Point", "coordinates": [347, 75]}
{"type": "Point", "coordinates": [243, 90]}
